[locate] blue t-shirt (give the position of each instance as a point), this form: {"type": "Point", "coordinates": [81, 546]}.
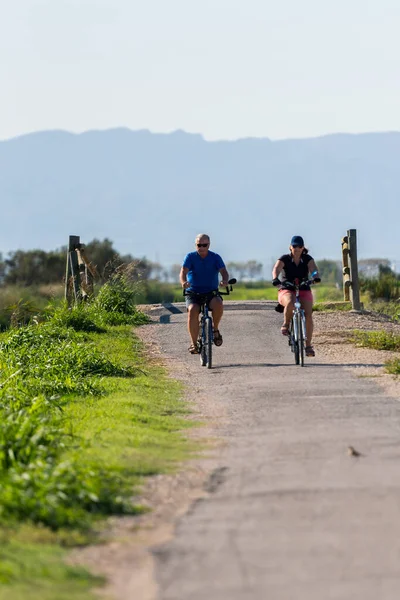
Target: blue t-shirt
{"type": "Point", "coordinates": [203, 272]}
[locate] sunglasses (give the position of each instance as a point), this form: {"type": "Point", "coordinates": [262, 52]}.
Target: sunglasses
{"type": "Point", "coordinates": [297, 246]}
{"type": "Point", "coordinates": [202, 245]}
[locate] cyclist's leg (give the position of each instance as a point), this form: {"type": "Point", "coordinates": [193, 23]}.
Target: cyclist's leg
{"type": "Point", "coordinates": [286, 298]}
{"type": "Point", "coordinates": [193, 309]}
{"type": "Point", "coordinates": [306, 302]}
{"type": "Point", "coordinates": [217, 307]}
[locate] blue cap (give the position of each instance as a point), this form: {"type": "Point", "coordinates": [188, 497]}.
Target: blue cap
{"type": "Point", "coordinates": [297, 240]}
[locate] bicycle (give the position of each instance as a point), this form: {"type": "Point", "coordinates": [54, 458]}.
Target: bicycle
{"type": "Point", "coordinates": [206, 336]}
{"type": "Point", "coordinates": [297, 328]}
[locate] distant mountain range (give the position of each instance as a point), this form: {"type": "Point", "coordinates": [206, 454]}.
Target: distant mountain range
{"type": "Point", "coordinates": [152, 193]}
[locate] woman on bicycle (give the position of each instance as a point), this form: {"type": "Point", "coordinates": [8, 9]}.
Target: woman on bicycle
{"type": "Point", "coordinates": [298, 264]}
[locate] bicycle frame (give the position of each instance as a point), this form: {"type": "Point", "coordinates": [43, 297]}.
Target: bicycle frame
{"type": "Point", "coordinates": [298, 331]}
{"type": "Point", "coordinates": [206, 335]}
{"type": "Point", "coordinates": [297, 328]}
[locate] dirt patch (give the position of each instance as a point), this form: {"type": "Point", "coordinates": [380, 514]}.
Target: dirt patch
{"type": "Point", "coordinates": [332, 341]}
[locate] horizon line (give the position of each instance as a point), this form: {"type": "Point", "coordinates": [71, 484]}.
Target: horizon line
{"type": "Point", "coordinates": [183, 132]}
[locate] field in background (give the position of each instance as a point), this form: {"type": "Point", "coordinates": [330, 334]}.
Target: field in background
{"type": "Point", "coordinates": [265, 291]}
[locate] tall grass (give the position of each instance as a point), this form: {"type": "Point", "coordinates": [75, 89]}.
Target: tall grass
{"type": "Point", "coordinates": [41, 366]}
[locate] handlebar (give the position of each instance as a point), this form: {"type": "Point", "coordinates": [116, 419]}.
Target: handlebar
{"type": "Point", "coordinates": [228, 288]}
{"type": "Point", "coordinates": [288, 285]}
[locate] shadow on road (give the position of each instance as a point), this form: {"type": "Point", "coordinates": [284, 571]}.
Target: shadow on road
{"type": "Point", "coordinates": [248, 365]}
{"type": "Point", "coordinates": [307, 364]}
{"type": "Point", "coordinates": [323, 365]}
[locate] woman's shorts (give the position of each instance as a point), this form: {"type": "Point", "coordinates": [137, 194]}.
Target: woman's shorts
{"type": "Point", "coordinates": [304, 295]}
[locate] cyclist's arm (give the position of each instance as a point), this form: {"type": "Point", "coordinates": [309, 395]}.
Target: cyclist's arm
{"type": "Point", "coordinates": [225, 276]}
{"type": "Point", "coordinates": [276, 271]}
{"type": "Point", "coordinates": [183, 277]}
{"type": "Point", "coordinates": [312, 267]}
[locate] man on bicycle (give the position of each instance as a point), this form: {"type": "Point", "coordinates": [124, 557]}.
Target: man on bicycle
{"type": "Point", "coordinates": [199, 276]}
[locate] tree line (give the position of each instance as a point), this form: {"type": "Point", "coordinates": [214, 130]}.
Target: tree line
{"type": "Point", "coordinates": [38, 267]}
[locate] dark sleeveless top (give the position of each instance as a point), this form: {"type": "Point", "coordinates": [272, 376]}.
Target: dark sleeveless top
{"type": "Point", "coordinates": [291, 271]}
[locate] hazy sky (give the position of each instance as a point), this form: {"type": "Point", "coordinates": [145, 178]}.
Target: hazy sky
{"type": "Point", "coordinates": [223, 68]}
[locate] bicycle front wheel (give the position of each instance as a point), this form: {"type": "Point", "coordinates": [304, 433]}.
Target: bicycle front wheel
{"type": "Point", "coordinates": [202, 344]}
{"type": "Point", "coordinates": [295, 339]}
{"type": "Point", "coordinates": [209, 340]}
{"type": "Point", "coordinates": [301, 328]}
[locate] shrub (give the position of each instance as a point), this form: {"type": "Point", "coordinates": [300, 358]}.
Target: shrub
{"type": "Point", "coordinates": [117, 295]}
{"type": "Point", "coordinates": [115, 303]}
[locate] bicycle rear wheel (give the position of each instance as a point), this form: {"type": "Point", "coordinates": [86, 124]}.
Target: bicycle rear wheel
{"type": "Point", "coordinates": [208, 341]}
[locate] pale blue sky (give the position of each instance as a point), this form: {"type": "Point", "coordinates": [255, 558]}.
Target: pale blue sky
{"type": "Point", "coordinates": [223, 68]}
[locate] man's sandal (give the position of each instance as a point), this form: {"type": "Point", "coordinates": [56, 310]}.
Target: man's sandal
{"type": "Point", "coordinates": [309, 351]}
{"type": "Point", "coordinates": [193, 349]}
{"type": "Point", "coordinates": [217, 338]}
{"type": "Point", "coordinates": [285, 330]}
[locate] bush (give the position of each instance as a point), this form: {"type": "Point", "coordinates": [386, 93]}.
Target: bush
{"type": "Point", "coordinates": [115, 303]}
{"type": "Point", "coordinates": [117, 295]}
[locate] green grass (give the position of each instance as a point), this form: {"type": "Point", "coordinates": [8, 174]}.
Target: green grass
{"type": "Point", "coordinates": [65, 460]}
{"type": "Point", "coordinates": [40, 572]}
{"type": "Point", "coordinates": [266, 291]}
{"type": "Point", "coordinates": [134, 429]}
{"type": "Point", "coordinates": [83, 419]}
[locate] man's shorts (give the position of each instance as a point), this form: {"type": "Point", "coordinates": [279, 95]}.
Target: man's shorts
{"type": "Point", "coordinates": [304, 295]}
{"type": "Point", "coordinates": [193, 298]}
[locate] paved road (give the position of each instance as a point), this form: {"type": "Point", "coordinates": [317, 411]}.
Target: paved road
{"type": "Point", "coordinates": [292, 515]}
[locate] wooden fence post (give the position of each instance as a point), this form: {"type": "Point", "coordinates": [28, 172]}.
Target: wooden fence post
{"type": "Point", "coordinates": [72, 278]}
{"type": "Point", "coordinates": [354, 289]}
{"type": "Point", "coordinates": [346, 269]}
{"type": "Point", "coordinates": [90, 272]}
{"type": "Point", "coordinates": [80, 273]}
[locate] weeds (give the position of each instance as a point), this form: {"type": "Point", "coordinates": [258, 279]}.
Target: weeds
{"type": "Point", "coordinates": [378, 340]}
{"type": "Point", "coordinates": [393, 367]}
